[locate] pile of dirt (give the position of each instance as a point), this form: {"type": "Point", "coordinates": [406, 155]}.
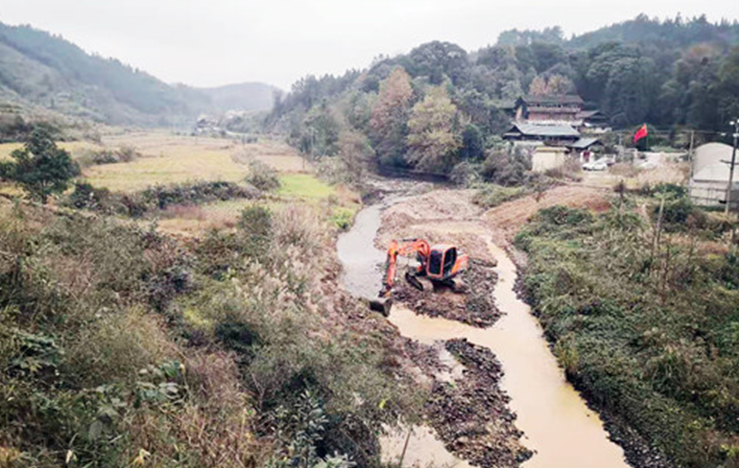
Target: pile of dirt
{"type": "Point", "coordinates": [507, 219]}
{"type": "Point", "coordinates": [474, 307]}
{"type": "Point", "coordinates": [446, 205]}
{"type": "Point", "coordinates": [472, 416]}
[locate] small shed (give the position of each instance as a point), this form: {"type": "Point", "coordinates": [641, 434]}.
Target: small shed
{"type": "Point", "coordinates": [584, 148]}
{"type": "Point", "coordinates": [711, 164]}
{"type": "Point", "coordinates": [548, 157]}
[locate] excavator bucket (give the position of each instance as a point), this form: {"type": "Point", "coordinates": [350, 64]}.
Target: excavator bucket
{"type": "Point", "coordinates": [382, 305]}
{"type": "Point", "coordinates": [413, 281]}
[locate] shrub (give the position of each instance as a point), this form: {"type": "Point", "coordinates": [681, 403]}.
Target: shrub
{"type": "Point", "coordinates": [298, 226]}
{"type": "Point", "coordinates": [646, 332]}
{"type": "Point", "coordinates": [492, 195]}
{"type": "Point", "coordinates": [342, 218]}
{"type": "Point", "coordinates": [123, 154]}
{"type": "Point", "coordinates": [465, 174]}
{"type": "Point", "coordinates": [40, 167]}
{"type": "Point", "coordinates": [262, 176]}
{"type": "Point", "coordinates": [136, 205]}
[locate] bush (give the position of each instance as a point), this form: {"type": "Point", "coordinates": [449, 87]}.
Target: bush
{"type": "Point", "coordinates": [123, 154]}
{"type": "Point", "coordinates": [465, 174]}
{"type": "Point", "coordinates": [136, 205]}
{"type": "Point", "coordinates": [342, 218]}
{"type": "Point", "coordinates": [492, 195]}
{"type": "Point", "coordinates": [262, 176]}
{"type": "Point", "coordinates": [633, 325]}
{"type": "Point", "coordinates": [508, 169]}
{"type": "Point", "coordinates": [40, 167]}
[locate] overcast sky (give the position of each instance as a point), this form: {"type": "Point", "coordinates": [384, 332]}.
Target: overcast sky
{"type": "Point", "coordinates": [214, 42]}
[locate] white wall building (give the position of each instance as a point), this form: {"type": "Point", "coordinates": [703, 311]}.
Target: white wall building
{"type": "Point", "coordinates": [711, 175]}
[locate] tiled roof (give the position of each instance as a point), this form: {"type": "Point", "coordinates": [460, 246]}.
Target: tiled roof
{"type": "Point", "coordinates": [563, 99]}
{"type": "Point", "coordinates": [545, 130]}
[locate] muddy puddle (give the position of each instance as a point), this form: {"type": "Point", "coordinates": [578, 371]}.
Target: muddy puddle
{"type": "Point", "coordinates": [558, 426]}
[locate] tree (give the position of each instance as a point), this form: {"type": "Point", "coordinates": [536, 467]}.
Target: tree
{"type": "Point", "coordinates": [356, 153]}
{"type": "Point", "coordinates": [557, 85]}
{"type": "Point", "coordinates": [320, 135]}
{"type": "Point", "coordinates": [630, 91]}
{"type": "Point", "coordinates": [538, 87]}
{"type": "Point", "coordinates": [437, 60]}
{"type": "Point", "coordinates": [728, 86]}
{"type": "Point", "coordinates": [389, 121]}
{"type": "Point", "coordinates": [560, 85]}
{"type": "Point", "coordinates": [432, 141]}
{"type": "Point", "coordinates": [41, 168]}
{"type": "Point", "coordinates": [473, 144]}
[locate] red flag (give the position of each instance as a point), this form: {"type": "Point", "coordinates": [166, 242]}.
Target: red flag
{"type": "Point", "coordinates": [641, 133]}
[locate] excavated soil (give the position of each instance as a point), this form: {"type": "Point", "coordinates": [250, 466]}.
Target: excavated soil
{"type": "Point", "coordinates": [471, 415]}
{"type": "Point", "coordinates": [474, 307]}
{"type": "Point", "coordinates": [469, 412]}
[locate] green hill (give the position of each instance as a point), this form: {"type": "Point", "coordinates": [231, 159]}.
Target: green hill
{"type": "Point", "coordinates": [40, 69]}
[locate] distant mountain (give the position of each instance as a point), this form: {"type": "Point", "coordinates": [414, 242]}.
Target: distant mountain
{"type": "Point", "coordinates": [672, 33]}
{"type": "Point", "coordinates": [242, 96]}
{"type": "Point", "coordinates": [41, 69]}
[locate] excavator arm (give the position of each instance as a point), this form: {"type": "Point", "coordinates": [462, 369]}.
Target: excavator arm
{"type": "Point", "coordinates": [410, 246]}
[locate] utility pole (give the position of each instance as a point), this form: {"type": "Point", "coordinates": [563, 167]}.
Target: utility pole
{"type": "Point", "coordinates": [729, 187]}
{"type": "Point", "coordinates": [690, 153]}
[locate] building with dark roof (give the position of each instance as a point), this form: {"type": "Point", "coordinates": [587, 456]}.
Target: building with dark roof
{"type": "Point", "coordinates": [559, 135]}
{"type": "Point", "coordinates": [549, 109]}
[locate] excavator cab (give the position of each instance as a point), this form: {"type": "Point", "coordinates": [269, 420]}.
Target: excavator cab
{"type": "Point", "coordinates": [439, 263]}
{"type": "Point", "coordinates": [442, 260]}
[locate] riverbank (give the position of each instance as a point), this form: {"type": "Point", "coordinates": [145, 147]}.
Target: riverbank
{"type": "Point", "coordinates": [547, 409]}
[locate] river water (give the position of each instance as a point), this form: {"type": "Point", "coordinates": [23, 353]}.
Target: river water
{"type": "Point", "coordinates": [558, 425]}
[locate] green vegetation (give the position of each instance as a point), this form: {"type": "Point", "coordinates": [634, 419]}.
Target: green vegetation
{"type": "Point", "coordinates": [262, 176]}
{"type": "Point", "coordinates": [121, 347]}
{"type": "Point", "coordinates": [40, 167]}
{"type": "Point", "coordinates": [303, 186]}
{"type": "Point", "coordinates": [643, 317]}
{"type": "Point", "coordinates": [492, 195]}
{"type": "Point", "coordinates": [438, 107]}
{"type": "Point", "coordinates": [154, 199]}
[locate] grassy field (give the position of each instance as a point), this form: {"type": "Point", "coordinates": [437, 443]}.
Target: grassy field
{"type": "Point", "coordinates": [303, 186]}
{"type": "Point", "coordinates": [75, 148]}
{"type": "Point", "coordinates": [169, 158]}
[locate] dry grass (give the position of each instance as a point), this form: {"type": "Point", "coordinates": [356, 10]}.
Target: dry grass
{"type": "Point", "coordinates": [75, 148]}
{"type": "Point", "coordinates": [279, 155]}
{"type": "Point", "coordinates": [193, 220]}
{"type": "Point", "coordinates": [170, 158]}
{"type": "Point", "coordinates": [510, 217]}
{"type": "Point", "coordinates": [634, 177]}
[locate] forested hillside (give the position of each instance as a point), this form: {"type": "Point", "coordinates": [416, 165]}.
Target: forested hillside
{"type": "Point", "coordinates": [439, 105]}
{"type": "Point", "coordinates": [39, 69]}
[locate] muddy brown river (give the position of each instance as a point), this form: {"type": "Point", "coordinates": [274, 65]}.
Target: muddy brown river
{"type": "Point", "coordinates": [557, 424]}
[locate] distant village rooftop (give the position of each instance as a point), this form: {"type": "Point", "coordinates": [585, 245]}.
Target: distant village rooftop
{"type": "Point", "coordinates": [566, 99]}
{"type": "Point", "coordinates": [527, 131]}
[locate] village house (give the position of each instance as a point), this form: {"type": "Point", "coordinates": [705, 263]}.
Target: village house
{"type": "Point", "coordinates": [560, 110]}
{"type": "Point", "coordinates": [549, 110]}
{"type": "Point", "coordinates": [554, 135]}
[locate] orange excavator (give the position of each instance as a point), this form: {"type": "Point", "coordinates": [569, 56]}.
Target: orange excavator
{"type": "Point", "coordinates": [437, 265]}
